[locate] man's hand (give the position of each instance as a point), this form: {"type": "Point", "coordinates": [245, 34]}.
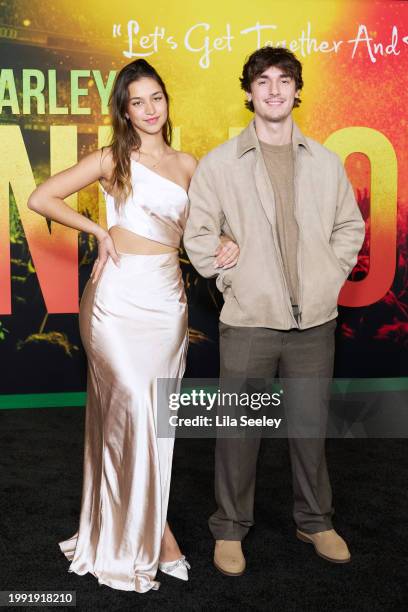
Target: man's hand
{"type": "Point", "coordinates": [227, 253]}
{"type": "Point", "coordinates": [106, 249]}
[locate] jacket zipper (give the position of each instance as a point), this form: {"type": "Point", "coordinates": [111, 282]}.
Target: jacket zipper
{"type": "Point", "coordinates": [298, 258]}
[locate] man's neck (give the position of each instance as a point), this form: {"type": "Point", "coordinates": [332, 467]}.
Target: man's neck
{"type": "Point", "coordinates": [279, 133]}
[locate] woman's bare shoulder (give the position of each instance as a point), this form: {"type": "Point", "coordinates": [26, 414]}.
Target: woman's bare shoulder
{"type": "Point", "coordinates": [106, 161]}
{"type": "Point", "coordinates": [187, 161]}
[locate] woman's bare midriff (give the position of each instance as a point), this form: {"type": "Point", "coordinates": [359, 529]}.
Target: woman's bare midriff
{"type": "Point", "coordinates": [126, 241]}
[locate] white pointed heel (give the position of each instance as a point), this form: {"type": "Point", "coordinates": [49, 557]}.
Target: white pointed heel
{"type": "Point", "coordinates": [178, 568]}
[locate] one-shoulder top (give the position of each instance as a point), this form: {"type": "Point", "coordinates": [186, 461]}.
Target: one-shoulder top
{"type": "Point", "coordinates": [157, 209]}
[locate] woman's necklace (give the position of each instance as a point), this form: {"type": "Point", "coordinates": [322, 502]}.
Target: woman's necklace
{"type": "Point", "coordinates": [149, 155]}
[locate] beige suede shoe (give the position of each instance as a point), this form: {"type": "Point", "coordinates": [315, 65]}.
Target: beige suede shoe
{"type": "Point", "coordinates": [228, 557]}
{"type": "Point", "coordinates": [328, 545]}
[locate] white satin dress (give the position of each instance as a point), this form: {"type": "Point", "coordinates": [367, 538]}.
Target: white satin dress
{"type": "Point", "coordinates": [133, 324]}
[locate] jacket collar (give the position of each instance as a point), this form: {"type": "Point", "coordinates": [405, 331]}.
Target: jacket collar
{"type": "Point", "coordinates": [248, 140]}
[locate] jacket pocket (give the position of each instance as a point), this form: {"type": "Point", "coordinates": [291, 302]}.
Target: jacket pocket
{"type": "Point", "coordinates": [336, 262]}
{"type": "Point", "coordinates": [335, 281]}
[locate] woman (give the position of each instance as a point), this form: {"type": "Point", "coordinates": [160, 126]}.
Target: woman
{"type": "Point", "coordinates": [133, 323]}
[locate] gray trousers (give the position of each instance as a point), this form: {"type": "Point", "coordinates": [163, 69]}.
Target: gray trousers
{"type": "Point", "coordinates": [257, 352]}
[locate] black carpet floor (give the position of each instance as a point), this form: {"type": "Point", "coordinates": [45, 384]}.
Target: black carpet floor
{"type": "Point", "coordinates": [41, 461]}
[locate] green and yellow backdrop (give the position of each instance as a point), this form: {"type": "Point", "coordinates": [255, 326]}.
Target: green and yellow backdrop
{"type": "Point", "coordinates": [58, 61]}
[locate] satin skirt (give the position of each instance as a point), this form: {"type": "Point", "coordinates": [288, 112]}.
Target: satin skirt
{"type": "Point", "coordinates": [133, 325]}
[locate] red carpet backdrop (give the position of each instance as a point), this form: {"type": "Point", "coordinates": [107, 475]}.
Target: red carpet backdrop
{"type": "Point", "coordinates": [58, 63]}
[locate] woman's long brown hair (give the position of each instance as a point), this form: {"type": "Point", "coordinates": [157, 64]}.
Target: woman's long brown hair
{"type": "Point", "coordinates": [125, 138]}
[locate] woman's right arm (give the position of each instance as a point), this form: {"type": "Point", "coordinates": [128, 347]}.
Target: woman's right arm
{"type": "Point", "coordinates": [48, 200]}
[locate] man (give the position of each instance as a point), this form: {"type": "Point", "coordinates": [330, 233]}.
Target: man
{"type": "Point", "coordinates": [287, 202]}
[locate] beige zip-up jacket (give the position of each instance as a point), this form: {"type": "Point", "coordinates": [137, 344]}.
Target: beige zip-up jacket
{"type": "Point", "coordinates": [231, 192]}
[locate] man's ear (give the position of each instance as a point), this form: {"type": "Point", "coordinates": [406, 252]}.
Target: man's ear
{"type": "Point", "coordinates": [248, 96]}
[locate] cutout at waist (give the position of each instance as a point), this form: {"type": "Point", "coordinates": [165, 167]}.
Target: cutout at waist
{"type": "Point", "coordinates": [126, 241]}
